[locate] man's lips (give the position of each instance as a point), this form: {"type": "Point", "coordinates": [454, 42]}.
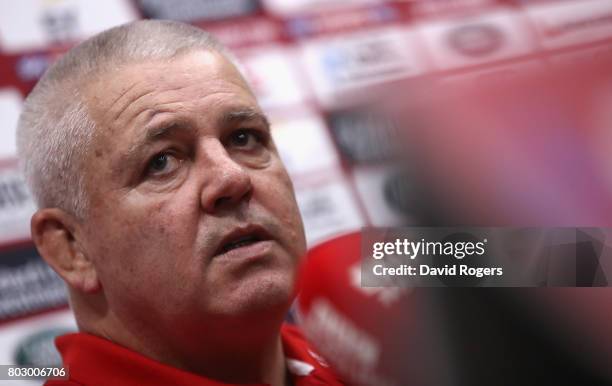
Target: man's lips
{"type": "Point", "coordinates": [249, 239]}
{"type": "Point", "coordinates": [251, 251]}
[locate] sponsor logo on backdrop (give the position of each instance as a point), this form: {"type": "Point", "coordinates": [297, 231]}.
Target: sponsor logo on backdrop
{"type": "Point", "coordinates": [362, 60]}
{"type": "Point", "coordinates": [31, 67]}
{"type": "Point", "coordinates": [562, 24]}
{"type": "Point", "coordinates": [288, 8]}
{"type": "Point", "coordinates": [61, 24]}
{"type": "Point", "coordinates": [363, 136]}
{"type": "Point", "coordinates": [475, 40]}
{"type": "Point", "coordinates": [13, 193]}
{"type": "Point", "coordinates": [370, 182]}
{"type": "Point", "coordinates": [27, 284]}
{"type": "Point", "coordinates": [478, 39]}
{"type": "Point", "coordinates": [399, 193]}
{"type": "Point", "coordinates": [196, 10]}
{"type": "Point", "coordinates": [34, 24]}
{"type": "Point", "coordinates": [328, 209]}
{"type": "Point", "coordinates": [16, 206]}
{"type": "Point", "coordinates": [343, 21]}
{"type": "Point", "coordinates": [339, 65]}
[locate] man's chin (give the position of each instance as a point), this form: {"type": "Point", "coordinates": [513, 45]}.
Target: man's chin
{"type": "Point", "coordinates": [269, 294]}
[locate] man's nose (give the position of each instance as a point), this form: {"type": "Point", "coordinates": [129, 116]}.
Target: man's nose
{"type": "Point", "coordinates": [227, 184]}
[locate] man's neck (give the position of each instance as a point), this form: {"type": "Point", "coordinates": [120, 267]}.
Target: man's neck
{"type": "Point", "coordinates": [245, 359]}
{"type": "Point", "coordinates": [223, 351]}
{"type": "Point", "coordinates": [260, 363]}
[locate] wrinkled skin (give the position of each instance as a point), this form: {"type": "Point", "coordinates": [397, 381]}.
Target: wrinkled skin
{"type": "Point", "coordinates": [183, 156]}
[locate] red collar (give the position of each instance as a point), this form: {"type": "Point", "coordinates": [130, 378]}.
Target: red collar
{"type": "Point", "coordinates": [96, 361]}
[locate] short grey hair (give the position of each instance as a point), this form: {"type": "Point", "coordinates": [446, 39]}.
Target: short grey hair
{"type": "Point", "coordinates": [55, 131]}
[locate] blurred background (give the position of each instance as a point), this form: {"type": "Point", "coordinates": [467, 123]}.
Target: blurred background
{"type": "Point", "coordinates": [386, 113]}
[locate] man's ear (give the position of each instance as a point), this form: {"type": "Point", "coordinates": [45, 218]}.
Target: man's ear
{"type": "Point", "coordinates": [53, 232]}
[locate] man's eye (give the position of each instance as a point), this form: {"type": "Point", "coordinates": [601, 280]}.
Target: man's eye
{"type": "Point", "coordinates": [161, 164]}
{"type": "Point", "coordinates": [247, 139]}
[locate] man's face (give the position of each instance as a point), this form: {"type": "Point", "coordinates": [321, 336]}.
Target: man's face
{"type": "Point", "coordinates": [192, 212]}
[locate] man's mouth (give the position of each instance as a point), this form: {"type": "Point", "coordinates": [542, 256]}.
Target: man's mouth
{"type": "Point", "coordinates": [241, 242]}
{"type": "Point", "coordinates": [242, 237]}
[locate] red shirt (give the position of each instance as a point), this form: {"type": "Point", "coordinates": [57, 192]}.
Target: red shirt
{"type": "Point", "coordinates": [96, 361]}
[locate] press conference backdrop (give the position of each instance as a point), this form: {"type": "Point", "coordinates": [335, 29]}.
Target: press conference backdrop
{"type": "Point", "coordinates": [312, 64]}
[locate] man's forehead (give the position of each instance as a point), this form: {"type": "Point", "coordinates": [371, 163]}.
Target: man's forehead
{"type": "Point", "coordinates": [116, 88]}
{"type": "Point", "coordinates": [129, 96]}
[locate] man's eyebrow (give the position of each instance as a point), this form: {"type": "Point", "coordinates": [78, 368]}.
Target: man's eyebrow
{"type": "Point", "coordinates": [160, 131]}
{"type": "Point", "coordinates": [150, 136]}
{"type": "Point", "coordinates": [243, 115]}
{"type": "Point", "coordinates": [163, 131]}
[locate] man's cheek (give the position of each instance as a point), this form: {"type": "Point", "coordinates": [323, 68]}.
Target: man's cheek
{"type": "Point", "coordinates": [278, 196]}
{"type": "Point", "coordinates": [126, 235]}
{"type": "Point", "coordinates": [289, 214]}
{"type": "Point", "coordinates": [279, 179]}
